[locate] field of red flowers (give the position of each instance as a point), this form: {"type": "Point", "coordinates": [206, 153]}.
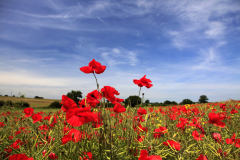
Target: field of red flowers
{"type": "Point", "coordinates": [89, 131]}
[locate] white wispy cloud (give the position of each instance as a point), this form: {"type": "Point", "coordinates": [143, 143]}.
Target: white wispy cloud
{"type": "Point", "coordinates": [216, 30]}
{"type": "Point", "coordinates": [114, 56]}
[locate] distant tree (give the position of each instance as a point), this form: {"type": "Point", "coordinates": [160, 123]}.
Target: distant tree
{"type": "Point", "coordinates": [1, 103]}
{"type": "Point", "coordinates": [167, 102]}
{"type": "Point", "coordinates": [75, 95]}
{"type": "Point", "coordinates": [108, 104]}
{"type": "Point", "coordinates": [6, 95]}
{"type": "Point", "coordinates": [55, 104]}
{"type": "Point", "coordinates": [133, 100]}
{"type": "Point", "coordinates": [203, 99]}
{"type": "Point", "coordinates": [174, 103]}
{"type": "Point", "coordinates": [186, 101]}
{"type": "Point", "coordinates": [147, 101]}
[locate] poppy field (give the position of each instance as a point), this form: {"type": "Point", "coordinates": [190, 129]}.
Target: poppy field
{"type": "Point", "coordinates": [90, 131]}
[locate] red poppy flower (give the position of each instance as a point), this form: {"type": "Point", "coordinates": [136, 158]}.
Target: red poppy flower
{"type": "Point", "coordinates": [220, 151]}
{"type": "Point", "coordinates": [196, 135]}
{"type": "Point", "coordinates": [237, 143]}
{"type": "Point", "coordinates": [93, 66]}
{"type": "Point", "coordinates": [140, 138]}
{"type": "Point", "coordinates": [20, 157]}
{"type": "Point", "coordinates": [52, 156]}
{"type": "Point", "coordinates": [66, 138]}
{"type": "Point", "coordinates": [143, 82]}
{"type": "Point", "coordinates": [140, 128]}
{"type": "Point", "coordinates": [158, 132]}
{"type": "Point", "coordinates": [231, 140]}
{"type": "Point", "coordinates": [141, 111]}
{"type": "Point", "coordinates": [28, 111]}
{"type": "Point", "coordinates": [1, 124]}
{"type": "Point", "coordinates": [93, 98]}
{"type": "Point", "coordinates": [68, 104]}
{"type": "Point", "coordinates": [202, 157]}
{"type": "Point", "coordinates": [173, 144]}
{"type": "Point", "coordinates": [89, 154]}
{"type": "Point", "coordinates": [79, 116]}
{"type": "Point", "coordinates": [118, 108]}
{"type": "Point", "coordinates": [36, 118]}
{"type": "Point", "coordinates": [217, 137]}
{"type": "Point", "coordinates": [233, 111]}
{"type": "Point", "coordinates": [144, 156]}
{"type": "Point", "coordinates": [109, 93]}
{"type": "Point", "coordinates": [216, 119]}
{"type": "Point", "coordinates": [119, 100]}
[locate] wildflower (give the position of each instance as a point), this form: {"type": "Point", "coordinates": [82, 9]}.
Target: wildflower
{"type": "Point", "coordinates": [196, 135]}
{"type": "Point", "coordinates": [79, 116]}
{"type": "Point", "coordinates": [109, 93]}
{"type": "Point", "coordinates": [118, 108]}
{"type": "Point", "coordinates": [28, 112]}
{"type": "Point", "coordinates": [52, 156]}
{"type": "Point", "coordinates": [20, 157]}
{"type": "Point", "coordinates": [216, 119]}
{"type": "Point", "coordinates": [92, 67]}
{"type": "Point", "coordinates": [173, 144]}
{"type": "Point", "coordinates": [143, 82]}
{"type": "Point", "coordinates": [217, 137]}
{"type": "Point", "coordinates": [67, 104]}
{"type": "Point", "coordinates": [89, 154]}
{"type": "Point", "coordinates": [158, 132]}
{"type": "Point", "coordinates": [202, 157]}
{"type": "Point", "coordinates": [231, 140]}
{"type": "Point", "coordinates": [1, 124]}
{"type": "Point", "coordinates": [36, 117]}
{"type": "Point", "coordinates": [233, 111]}
{"type": "Point", "coordinates": [93, 98]}
{"type": "Point", "coordinates": [141, 111]}
{"type": "Point", "coordinates": [144, 156]}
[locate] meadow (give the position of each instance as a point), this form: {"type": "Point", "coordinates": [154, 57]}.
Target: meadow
{"type": "Point", "coordinates": [90, 131]}
{"type": "Point", "coordinates": [166, 132]}
{"type": "Point", "coordinates": [34, 103]}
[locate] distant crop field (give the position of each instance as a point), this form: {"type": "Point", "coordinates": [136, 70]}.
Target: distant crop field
{"type": "Point", "coordinates": [34, 103]}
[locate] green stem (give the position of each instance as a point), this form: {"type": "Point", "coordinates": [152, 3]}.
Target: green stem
{"type": "Point", "coordinates": [139, 95]}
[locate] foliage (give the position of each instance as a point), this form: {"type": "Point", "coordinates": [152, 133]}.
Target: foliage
{"type": "Point", "coordinates": [167, 102]}
{"type": "Point", "coordinates": [203, 99]}
{"type": "Point", "coordinates": [174, 103]}
{"type": "Point", "coordinates": [186, 101]}
{"type": "Point", "coordinates": [38, 97]}
{"type": "Point", "coordinates": [133, 100]}
{"type": "Point", "coordinates": [75, 95]}
{"type": "Point", "coordinates": [1, 103]}
{"type": "Point", "coordinates": [55, 104]}
{"type": "Point", "coordinates": [108, 104]}
{"type": "Point", "coordinates": [9, 103]}
{"type": "Point", "coordinates": [6, 95]}
{"type": "Point", "coordinates": [21, 104]}
{"type": "Point", "coordinates": [147, 101]}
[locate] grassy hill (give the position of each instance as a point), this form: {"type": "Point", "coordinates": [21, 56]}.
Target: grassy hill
{"type": "Point", "coordinates": [34, 103]}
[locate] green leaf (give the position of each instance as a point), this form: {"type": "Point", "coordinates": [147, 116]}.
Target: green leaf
{"type": "Point", "coordinates": [50, 120]}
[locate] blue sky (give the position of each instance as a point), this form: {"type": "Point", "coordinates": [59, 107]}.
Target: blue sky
{"type": "Point", "coordinates": [187, 48]}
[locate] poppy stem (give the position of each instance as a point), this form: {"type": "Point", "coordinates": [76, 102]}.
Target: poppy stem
{"type": "Point", "coordinates": [139, 95]}
{"type": "Point", "coordinates": [97, 84]}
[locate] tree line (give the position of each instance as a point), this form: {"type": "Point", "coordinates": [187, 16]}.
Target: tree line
{"type": "Point", "coordinates": [134, 100]}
